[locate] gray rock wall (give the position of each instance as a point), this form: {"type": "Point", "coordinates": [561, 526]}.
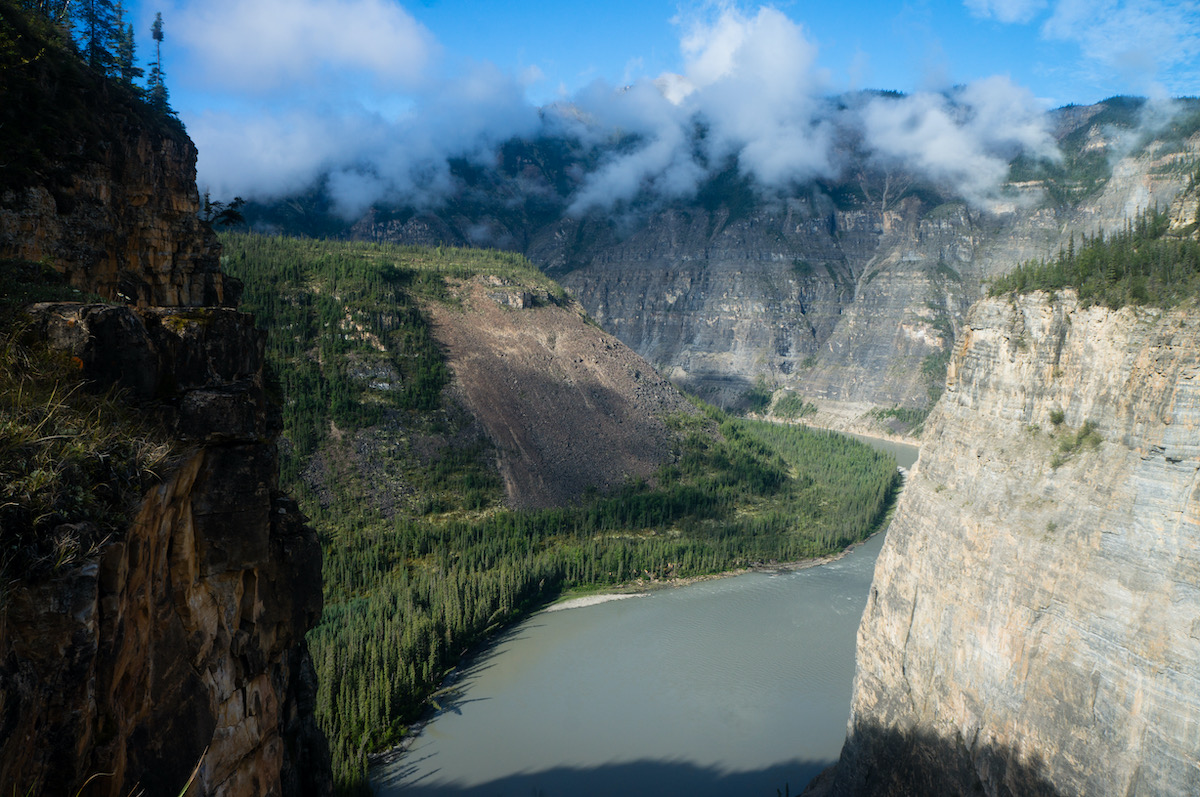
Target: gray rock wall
{"type": "Point", "coordinates": [1034, 621]}
{"type": "Point", "coordinates": [843, 302]}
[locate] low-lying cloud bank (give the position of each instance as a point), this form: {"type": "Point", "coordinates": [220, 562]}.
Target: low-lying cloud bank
{"type": "Point", "coordinates": [751, 91]}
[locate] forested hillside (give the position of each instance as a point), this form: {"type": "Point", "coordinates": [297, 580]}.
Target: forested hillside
{"type": "Point", "coordinates": [423, 557]}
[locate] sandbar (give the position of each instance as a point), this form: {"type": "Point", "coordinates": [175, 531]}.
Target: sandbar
{"type": "Point", "coordinates": [592, 600]}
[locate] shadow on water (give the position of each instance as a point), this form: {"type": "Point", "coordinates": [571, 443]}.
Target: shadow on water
{"type": "Point", "coordinates": [889, 762]}
{"type": "Point", "coordinates": [632, 779]}
{"type": "Point", "coordinates": [449, 696]}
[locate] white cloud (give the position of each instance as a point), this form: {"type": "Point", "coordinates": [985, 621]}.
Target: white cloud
{"type": "Point", "coordinates": [759, 90]}
{"type": "Point", "coordinates": [365, 106]}
{"type": "Point", "coordinates": [266, 45]}
{"type": "Point", "coordinates": [964, 140]}
{"type": "Point", "coordinates": [750, 81]}
{"type": "Point", "coordinates": [1143, 42]}
{"type": "Point", "coordinates": [269, 153]}
{"type": "Point", "coordinates": [1137, 38]}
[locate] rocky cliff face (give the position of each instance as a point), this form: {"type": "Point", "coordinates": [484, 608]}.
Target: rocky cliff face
{"type": "Point", "coordinates": [182, 643]}
{"type": "Point", "coordinates": [840, 292]}
{"type": "Point", "coordinates": [842, 305]}
{"type": "Point", "coordinates": [178, 647]}
{"type": "Point", "coordinates": [93, 182]}
{"type": "Point", "coordinates": [124, 225]}
{"type": "Point", "coordinates": [813, 297]}
{"type": "Point", "coordinates": [1034, 622]}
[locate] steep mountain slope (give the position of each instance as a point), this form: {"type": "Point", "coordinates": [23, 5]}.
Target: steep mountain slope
{"type": "Point", "coordinates": [849, 291]}
{"type": "Point", "coordinates": [568, 407]}
{"type": "Point", "coordinates": [1032, 627]}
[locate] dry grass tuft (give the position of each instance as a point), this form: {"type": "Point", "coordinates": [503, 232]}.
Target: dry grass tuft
{"type": "Point", "coordinates": [73, 462]}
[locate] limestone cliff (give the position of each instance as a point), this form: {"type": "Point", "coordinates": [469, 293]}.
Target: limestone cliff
{"type": "Point", "coordinates": [844, 292]}
{"type": "Point", "coordinates": [1034, 621]}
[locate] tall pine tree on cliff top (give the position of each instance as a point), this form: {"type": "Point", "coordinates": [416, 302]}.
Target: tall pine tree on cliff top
{"type": "Point", "coordinates": [155, 85]}
{"type": "Point", "coordinates": [123, 50]}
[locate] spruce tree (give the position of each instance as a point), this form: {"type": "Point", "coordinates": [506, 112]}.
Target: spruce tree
{"type": "Point", "coordinates": [97, 21]}
{"type": "Point", "coordinates": [123, 52]}
{"type": "Point", "coordinates": [156, 86]}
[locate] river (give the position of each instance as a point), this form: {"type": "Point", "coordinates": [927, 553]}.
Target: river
{"type": "Point", "coordinates": [732, 686]}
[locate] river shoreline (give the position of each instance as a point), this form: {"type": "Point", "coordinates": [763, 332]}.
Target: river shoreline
{"type": "Point", "coordinates": [643, 588]}
{"type": "Point", "coordinates": [716, 676]}
{"type": "Point", "coordinates": [633, 589]}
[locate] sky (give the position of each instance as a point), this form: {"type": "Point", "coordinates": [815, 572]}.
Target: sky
{"type": "Point", "coordinates": [377, 93]}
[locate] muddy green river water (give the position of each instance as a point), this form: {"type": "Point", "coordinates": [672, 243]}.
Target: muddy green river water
{"type": "Point", "coordinates": [737, 686]}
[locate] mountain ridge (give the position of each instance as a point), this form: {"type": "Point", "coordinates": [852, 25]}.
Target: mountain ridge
{"type": "Point", "coordinates": [847, 291]}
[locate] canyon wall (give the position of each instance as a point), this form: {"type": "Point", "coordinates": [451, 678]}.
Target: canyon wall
{"type": "Point", "coordinates": [181, 644]}
{"type": "Point", "coordinates": [94, 183]}
{"type": "Point", "coordinates": [123, 225]}
{"type": "Point", "coordinates": [1034, 622]}
{"type": "Point", "coordinates": [178, 646]}
{"type": "Point", "coordinates": [842, 304]}
{"type": "Point", "coordinates": [848, 293]}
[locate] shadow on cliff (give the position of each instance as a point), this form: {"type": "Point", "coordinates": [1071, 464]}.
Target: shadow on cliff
{"type": "Point", "coordinates": [632, 779]}
{"type": "Point", "coordinates": [890, 762]}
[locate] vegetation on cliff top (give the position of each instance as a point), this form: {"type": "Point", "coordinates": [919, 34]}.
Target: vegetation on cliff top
{"type": "Point", "coordinates": [58, 111]}
{"type": "Point", "coordinates": [1144, 264]}
{"type": "Point", "coordinates": [1085, 168]}
{"type": "Point", "coordinates": [73, 463]}
{"type": "Point", "coordinates": [423, 559]}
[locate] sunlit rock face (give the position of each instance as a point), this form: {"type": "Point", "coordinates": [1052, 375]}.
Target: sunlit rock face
{"type": "Point", "coordinates": [1034, 621]}
{"type": "Point", "coordinates": [122, 225]}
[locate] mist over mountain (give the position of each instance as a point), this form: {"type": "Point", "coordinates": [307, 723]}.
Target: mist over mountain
{"type": "Point", "coordinates": [748, 219]}
{"type": "Point", "coordinates": [374, 127]}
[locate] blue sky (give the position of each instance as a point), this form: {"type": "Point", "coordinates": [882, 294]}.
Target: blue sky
{"type": "Point", "coordinates": [275, 91]}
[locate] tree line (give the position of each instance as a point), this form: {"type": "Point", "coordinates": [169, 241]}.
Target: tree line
{"type": "Point", "coordinates": [104, 39]}
{"type": "Point", "coordinates": [1145, 263]}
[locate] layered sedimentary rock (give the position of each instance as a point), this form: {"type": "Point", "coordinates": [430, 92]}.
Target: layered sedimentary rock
{"type": "Point", "coordinates": [123, 226]}
{"type": "Point", "coordinates": [182, 642]}
{"type": "Point", "coordinates": [849, 293]}
{"type": "Point", "coordinates": [1034, 621]}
